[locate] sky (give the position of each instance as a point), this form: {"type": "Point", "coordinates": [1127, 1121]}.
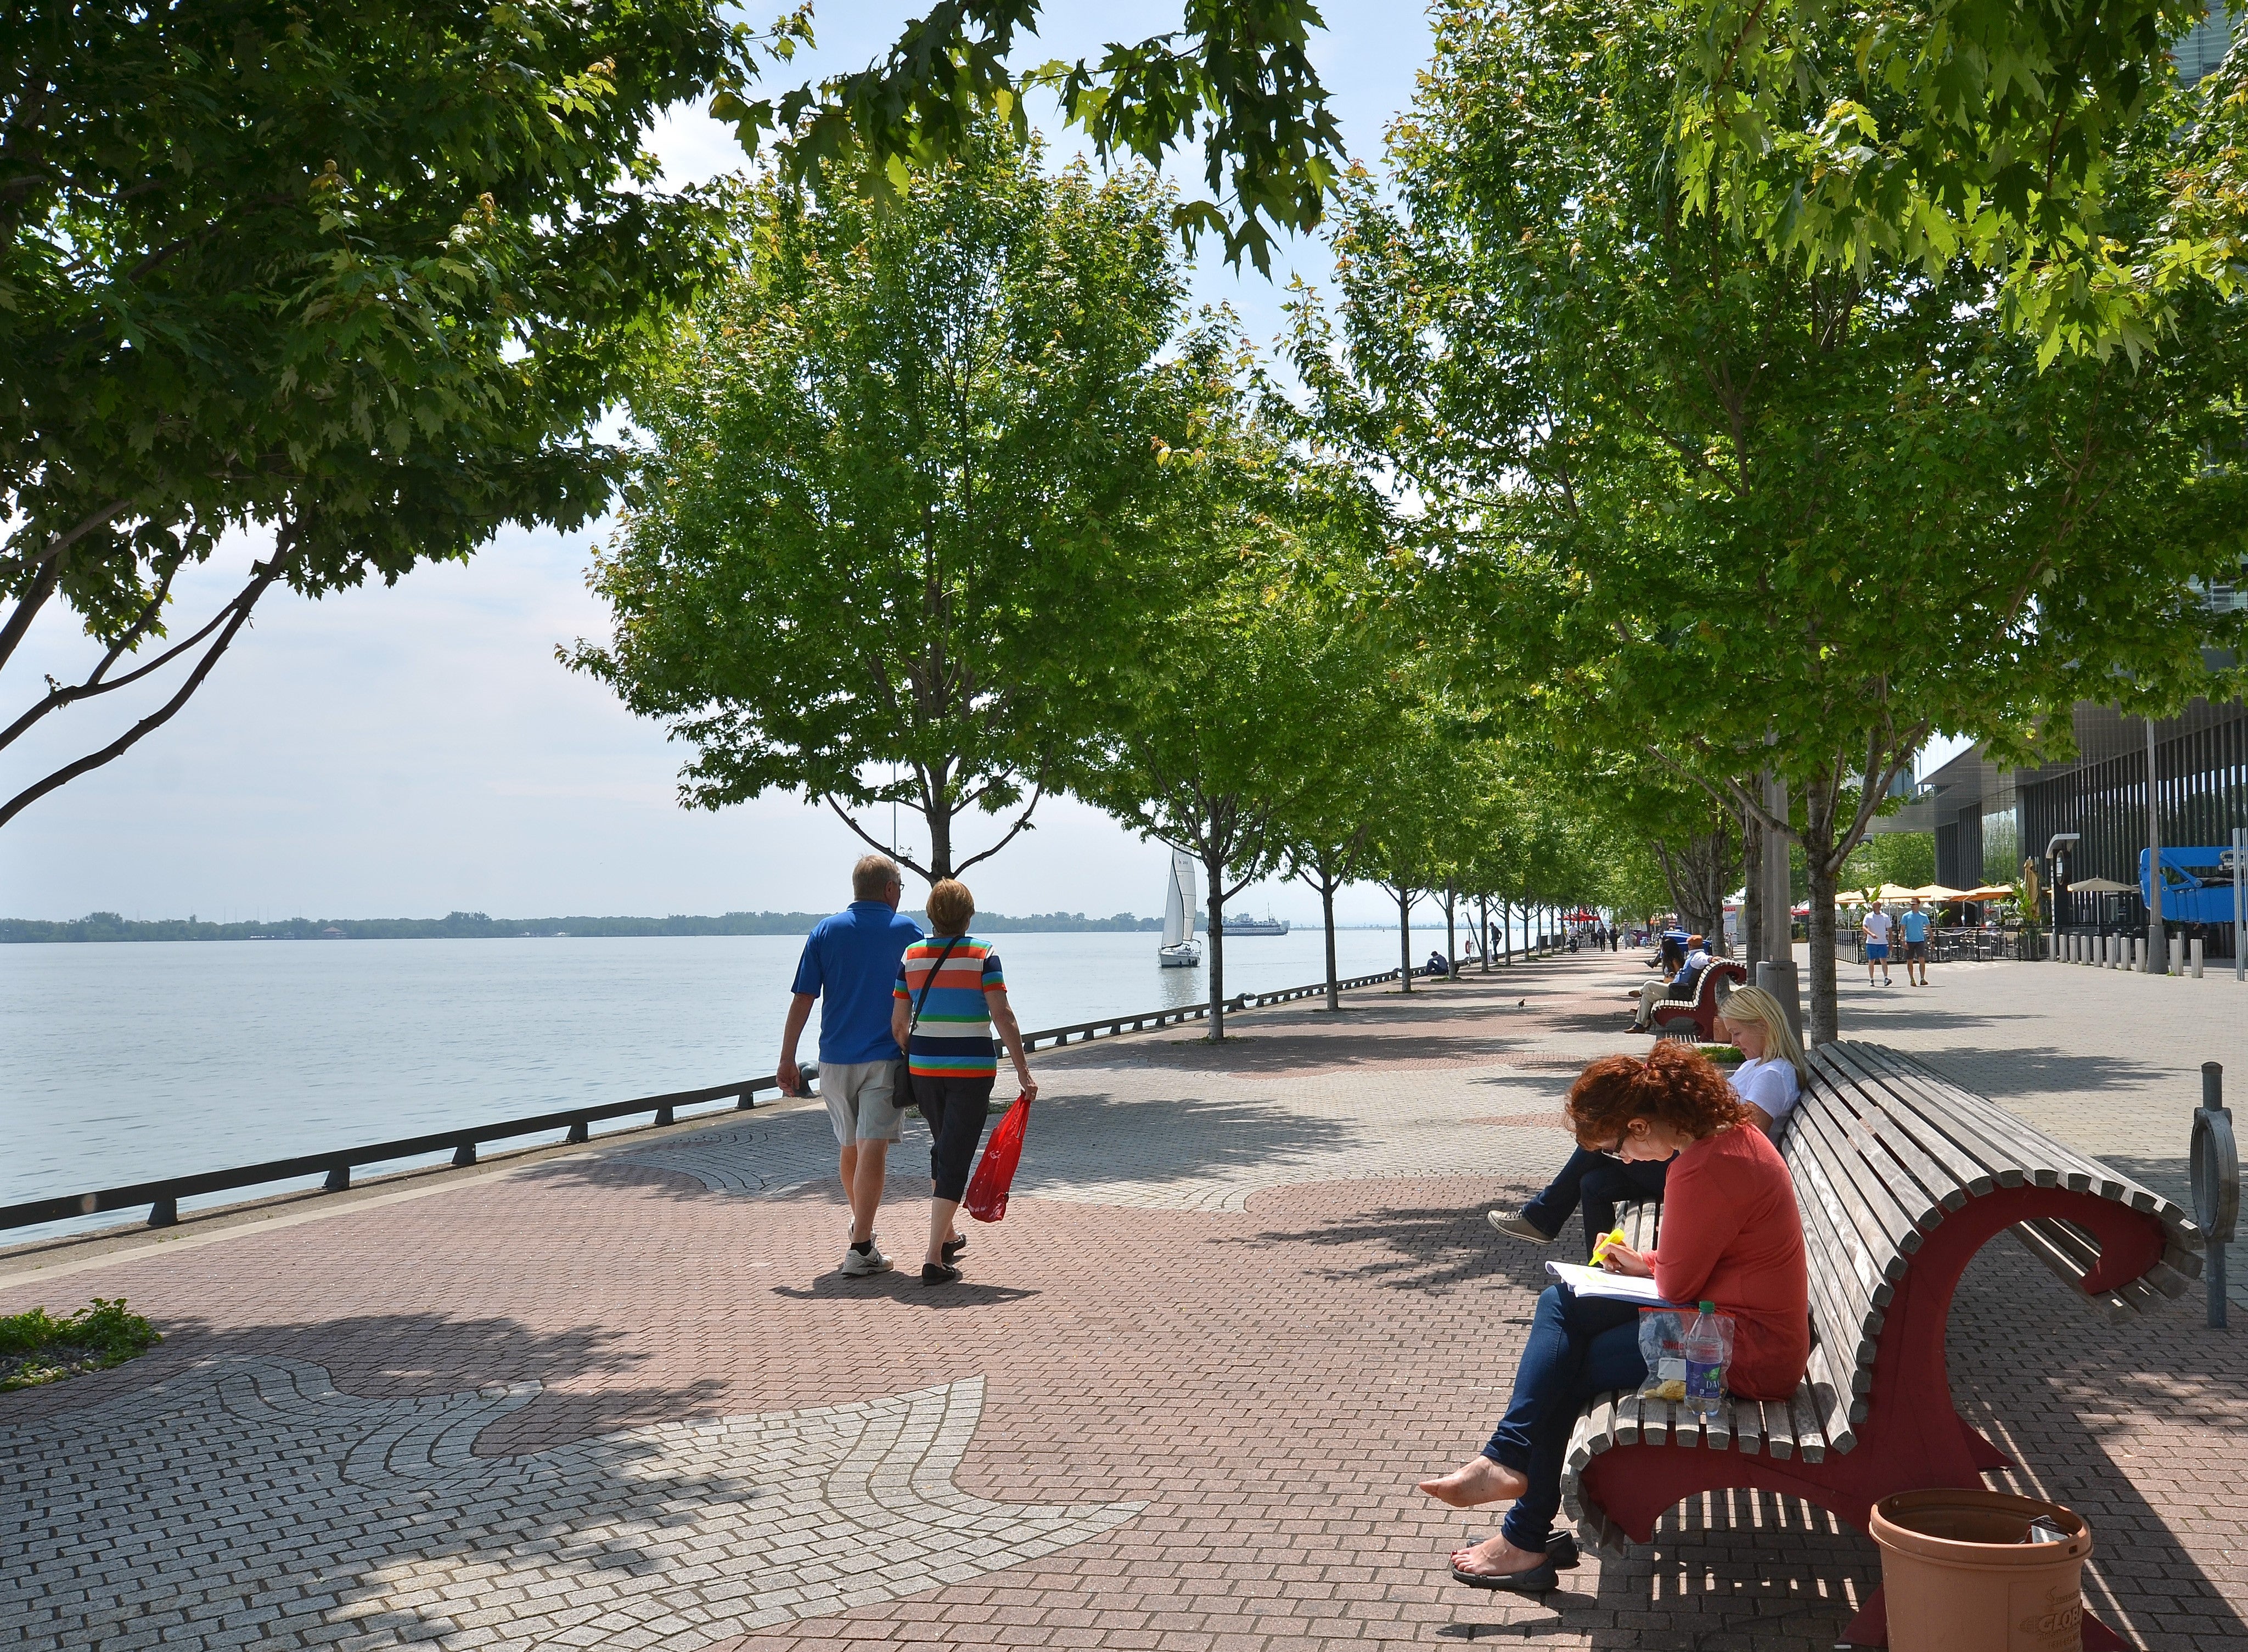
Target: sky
{"type": "Point", "coordinates": [417, 749]}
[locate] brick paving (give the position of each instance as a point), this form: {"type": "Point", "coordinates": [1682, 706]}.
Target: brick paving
{"type": "Point", "coordinates": [1244, 1299]}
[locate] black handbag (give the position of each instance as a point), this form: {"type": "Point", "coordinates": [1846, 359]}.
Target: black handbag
{"type": "Point", "coordinates": [901, 1074]}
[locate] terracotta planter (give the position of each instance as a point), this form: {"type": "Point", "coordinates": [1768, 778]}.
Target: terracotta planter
{"type": "Point", "coordinates": [1957, 1577]}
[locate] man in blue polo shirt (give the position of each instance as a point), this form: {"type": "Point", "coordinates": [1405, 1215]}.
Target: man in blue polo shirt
{"type": "Point", "coordinates": [851, 964]}
{"type": "Point", "coordinates": [1914, 922]}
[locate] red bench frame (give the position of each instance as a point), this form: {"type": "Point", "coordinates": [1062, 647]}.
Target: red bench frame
{"type": "Point", "coordinates": [1672, 1018]}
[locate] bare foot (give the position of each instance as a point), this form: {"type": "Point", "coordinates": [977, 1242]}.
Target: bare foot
{"type": "Point", "coordinates": [1478, 1480]}
{"type": "Point", "coordinates": [1496, 1557]}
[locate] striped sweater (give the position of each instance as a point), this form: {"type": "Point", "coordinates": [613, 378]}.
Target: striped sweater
{"type": "Point", "coordinates": [953, 1038]}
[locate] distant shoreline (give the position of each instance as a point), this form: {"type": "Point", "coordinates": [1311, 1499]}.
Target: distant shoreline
{"type": "Point", "coordinates": [100, 926]}
{"type": "Point", "coordinates": [475, 926]}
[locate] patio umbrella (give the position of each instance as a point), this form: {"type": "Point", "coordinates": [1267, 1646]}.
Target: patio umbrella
{"type": "Point", "coordinates": [2101, 885]}
{"type": "Point", "coordinates": [1937, 892]}
{"type": "Point", "coordinates": [1991, 892]}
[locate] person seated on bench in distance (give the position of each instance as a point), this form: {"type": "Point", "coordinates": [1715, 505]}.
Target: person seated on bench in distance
{"type": "Point", "coordinates": [1769, 1079]}
{"type": "Point", "coordinates": [1679, 985]}
{"type": "Point", "coordinates": [1731, 1235]}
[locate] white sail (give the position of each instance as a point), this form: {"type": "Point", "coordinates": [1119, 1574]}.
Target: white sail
{"type": "Point", "coordinates": [1178, 901]}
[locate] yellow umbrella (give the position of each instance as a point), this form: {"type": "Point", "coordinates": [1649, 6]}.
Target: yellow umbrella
{"type": "Point", "coordinates": [1937, 892]}
{"type": "Point", "coordinates": [1990, 892]}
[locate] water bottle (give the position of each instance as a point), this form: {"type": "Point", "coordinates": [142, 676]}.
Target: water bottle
{"type": "Point", "coordinates": [1704, 1349]}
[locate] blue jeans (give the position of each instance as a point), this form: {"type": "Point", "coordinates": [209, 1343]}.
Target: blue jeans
{"type": "Point", "coordinates": [1602, 1184]}
{"type": "Point", "coordinates": [1578, 1347]}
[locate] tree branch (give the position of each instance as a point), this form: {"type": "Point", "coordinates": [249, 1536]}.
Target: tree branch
{"type": "Point", "coordinates": [904, 859]}
{"type": "Point", "coordinates": [50, 567]}
{"type": "Point", "coordinates": [241, 605]}
{"type": "Point", "coordinates": [1021, 826]}
{"type": "Point", "coordinates": [59, 697]}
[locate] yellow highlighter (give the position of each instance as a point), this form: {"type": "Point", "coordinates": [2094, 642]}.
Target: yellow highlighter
{"type": "Point", "coordinates": [1600, 1247]}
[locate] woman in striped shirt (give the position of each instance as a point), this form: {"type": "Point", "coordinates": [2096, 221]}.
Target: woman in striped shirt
{"type": "Point", "coordinates": [950, 994]}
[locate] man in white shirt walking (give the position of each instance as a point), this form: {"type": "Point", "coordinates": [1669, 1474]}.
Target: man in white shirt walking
{"type": "Point", "coordinates": [1877, 944]}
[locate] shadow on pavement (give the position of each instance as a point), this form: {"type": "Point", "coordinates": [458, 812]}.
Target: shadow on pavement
{"type": "Point", "coordinates": [1426, 1250]}
{"type": "Point", "coordinates": [402, 1356]}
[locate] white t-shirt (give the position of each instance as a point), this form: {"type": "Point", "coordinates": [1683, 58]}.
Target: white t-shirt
{"type": "Point", "coordinates": [1771, 1084]}
{"type": "Point", "coordinates": [1877, 927]}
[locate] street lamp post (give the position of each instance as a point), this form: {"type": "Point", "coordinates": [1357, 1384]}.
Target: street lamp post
{"type": "Point", "coordinates": [2157, 943]}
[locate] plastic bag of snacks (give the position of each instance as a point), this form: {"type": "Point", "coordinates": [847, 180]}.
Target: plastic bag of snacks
{"type": "Point", "coordinates": [1687, 1355]}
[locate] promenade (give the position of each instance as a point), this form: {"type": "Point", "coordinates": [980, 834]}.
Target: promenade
{"type": "Point", "coordinates": [618, 1395]}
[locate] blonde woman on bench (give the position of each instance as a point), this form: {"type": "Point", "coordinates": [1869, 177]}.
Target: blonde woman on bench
{"type": "Point", "coordinates": [1770, 1077]}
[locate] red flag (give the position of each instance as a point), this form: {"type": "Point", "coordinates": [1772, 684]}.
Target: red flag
{"type": "Point", "coordinates": [987, 1189]}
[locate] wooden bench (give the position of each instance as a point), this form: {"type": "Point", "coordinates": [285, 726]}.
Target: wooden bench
{"type": "Point", "coordinates": [1697, 1018]}
{"type": "Point", "coordinates": [1902, 1177]}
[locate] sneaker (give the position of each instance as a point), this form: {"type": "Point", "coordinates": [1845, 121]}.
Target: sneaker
{"type": "Point", "coordinates": [859, 1266]}
{"type": "Point", "coordinates": [1519, 1225]}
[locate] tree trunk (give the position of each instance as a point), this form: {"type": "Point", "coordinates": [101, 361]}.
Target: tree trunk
{"type": "Point", "coordinates": [1405, 939]}
{"type": "Point", "coordinates": [1216, 875]}
{"type": "Point", "coordinates": [1451, 930]}
{"type": "Point", "coordinates": [1507, 930]}
{"type": "Point", "coordinates": [1819, 862]}
{"type": "Point", "coordinates": [1752, 935]}
{"type": "Point", "coordinates": [1326, 912]}
{"type": "Point", "coordinates": [1483, 929]}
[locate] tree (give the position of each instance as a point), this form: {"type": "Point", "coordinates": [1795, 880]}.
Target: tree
{"type": "Point", "coordinates": [364, 276]}
{"type": "Point", "coordinates": [1231, 723]}
{"type": "Point", "coordinates": [1731, 512]}
{"type": "Point", "coordinates": [904, 504]}
{"type": "Point", "coordinates": [1950, 130]}
{"type": "Point", "coordinates": [361, 276]}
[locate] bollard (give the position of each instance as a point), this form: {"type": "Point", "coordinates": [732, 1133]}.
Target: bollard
{"type": "Point", "coordinates": [2177, 955]}
{"type": "Point", "coordinates": [2214, 1165]}
{"type": "Point", "coordinates": [2138, 955]}
{"type": "Point", "coordinates": [2194, 958]}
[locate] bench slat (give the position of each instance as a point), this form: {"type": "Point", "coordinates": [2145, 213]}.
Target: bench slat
{"type": "Point", "coordinates": [1938, 1110]}
{"type": "Point", "coordinates": [1842, 1314]}
{"type": "Point", "coordinates": [1837, 1406]}
{"type": "Point", "coordinates": [1964, 1173]}
{"type": "Point", "coordinates": [1896, 1156]}
{"type": "Point", "coordinates": [1654, 1420]}
{"type": "Point", "coordinates": [1630, 1428]}
{"type": "Point", "coordinates": [1778, 1427]}
{"type": "Point", "coordinates": [1803, 1420]}
{"type": "Point", "coordinates": [1982, 1127]}
{"type": "Point", "coordinates": [1888, 1231]}
{"type": "Point", "coordinates": [1718, 1429]}
{"type": "Point", "coordinates": [1898, 1203]}
{"type": "Point", "coordinates": [1748, 1426]}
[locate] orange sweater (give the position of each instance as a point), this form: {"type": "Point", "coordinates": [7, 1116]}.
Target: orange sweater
{"type": "Point", "coordinates": [1731, 1235]}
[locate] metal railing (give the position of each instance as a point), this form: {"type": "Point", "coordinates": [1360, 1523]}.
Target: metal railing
{"type": "Point", "coordinates": [162, 1197]}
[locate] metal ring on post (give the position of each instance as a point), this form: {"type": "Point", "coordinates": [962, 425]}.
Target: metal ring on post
{"type": "Point", "coordinates": [2214, 1169]}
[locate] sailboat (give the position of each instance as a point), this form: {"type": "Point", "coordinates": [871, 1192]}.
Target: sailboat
{"type": "Point", "coordinates": [1179, 950]}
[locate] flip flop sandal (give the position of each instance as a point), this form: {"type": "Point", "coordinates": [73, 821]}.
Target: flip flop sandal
{"type": "Point", "coordinates": [1560, 1550]}
{"type": "Point", "coordinates": [1534, 1580]}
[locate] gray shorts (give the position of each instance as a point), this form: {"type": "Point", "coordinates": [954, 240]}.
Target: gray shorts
{"type": "Point", "coordinates": [859, 1104]}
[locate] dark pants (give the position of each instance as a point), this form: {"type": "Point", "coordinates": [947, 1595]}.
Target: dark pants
{"type": "Point", "coordinates": [955, 1110]}
{"type": "Point", "coordinates": [1600, 1184]}
{"type": "Point", "coordinates": [1578, 1347]}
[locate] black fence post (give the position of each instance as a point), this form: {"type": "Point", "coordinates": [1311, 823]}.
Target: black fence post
{"type": "Point", "coordinates": [339, 1180]}
{"type": "Point", "coordinates": [164, 1213]}
{"type": "Point", "coordinates": [2214, 1165]}
{"type": "Point", "coordinates": [464, 1155]}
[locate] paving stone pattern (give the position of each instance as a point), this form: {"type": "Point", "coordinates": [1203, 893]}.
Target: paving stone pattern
{"type": "Point", "coordinates": [250, 1494]}
{"type": "Point", "coordinates": [1244, 1299]}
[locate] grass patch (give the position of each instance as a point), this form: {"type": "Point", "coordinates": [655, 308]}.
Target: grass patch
{"type": "Point", "coordinates": [36, 1347]}
{"type": "Point", "coordinates": [1723, 1054]}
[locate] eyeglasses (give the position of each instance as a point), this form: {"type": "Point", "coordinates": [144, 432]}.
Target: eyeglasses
{"type": "Point", "coordinates": [1615, 1153]}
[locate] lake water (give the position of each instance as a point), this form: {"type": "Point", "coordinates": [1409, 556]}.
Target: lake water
{"type": "Point", "coordinates": [128, 1062]}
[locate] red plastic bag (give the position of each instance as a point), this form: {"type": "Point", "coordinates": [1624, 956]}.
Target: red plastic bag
{"type": "Point", "coordinates": [987, 1189]}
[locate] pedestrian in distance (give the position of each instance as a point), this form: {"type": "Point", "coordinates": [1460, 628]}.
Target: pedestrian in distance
{"type": "Point", "coordinates": [850, 966]}
{"type": "Point", "coordinates": [1914, 923]}
{"type": "Point", "coordinates": [1878, 925]}
{"type": "Point", "coordinates": [949, 994]}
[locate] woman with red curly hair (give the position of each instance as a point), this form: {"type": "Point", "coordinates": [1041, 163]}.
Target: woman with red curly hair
{"type": "Point", "coordinates": [1730, 1235]}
